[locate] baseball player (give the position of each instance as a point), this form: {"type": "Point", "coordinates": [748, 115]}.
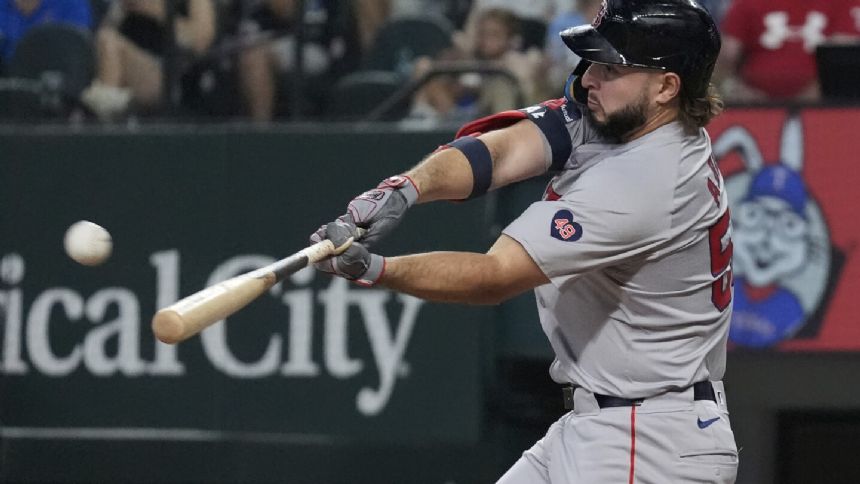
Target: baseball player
{"type": "Point", "coordinates": [629, 251]}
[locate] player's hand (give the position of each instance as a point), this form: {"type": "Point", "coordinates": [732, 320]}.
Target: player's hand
{"type": "Point", "coordinates": [356, 263]}
{"type": "Point", "coordinates": [379, 210]}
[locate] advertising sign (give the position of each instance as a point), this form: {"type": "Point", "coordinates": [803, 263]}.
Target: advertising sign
{"type": "Point", "coordinates": [316, 361]}
{"type": "Point", "coordinates": [792, 181]}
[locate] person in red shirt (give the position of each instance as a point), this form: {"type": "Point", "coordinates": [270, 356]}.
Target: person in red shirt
{"type": "Point", "coordinates": [769, 48]}
{"type": "Point", "coordinates": [846, 18]}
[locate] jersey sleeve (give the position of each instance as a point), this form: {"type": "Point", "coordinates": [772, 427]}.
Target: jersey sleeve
{"type": "Point", "coordinates": [601, 224]}
{"type": "Point", "coordinates": [560, 121]}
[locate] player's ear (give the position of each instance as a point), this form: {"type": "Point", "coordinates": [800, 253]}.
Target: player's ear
{"type": "Point", "coordinates": [669, 87]}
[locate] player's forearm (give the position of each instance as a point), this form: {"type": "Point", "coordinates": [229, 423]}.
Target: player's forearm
{"type": "Point", "coordinates": [517, 152]}
{"type": "Point", "coordinates": [444, 175]}
{"type": "Point", "coordinates": [455, 277]}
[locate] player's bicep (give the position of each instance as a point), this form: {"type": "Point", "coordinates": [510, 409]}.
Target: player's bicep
{"type": "Point", "coordinates": [516, 271]}
{"type": "Point", "coordinates": [519, 151]}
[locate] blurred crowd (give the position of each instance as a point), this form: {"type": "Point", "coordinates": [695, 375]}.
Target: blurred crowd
{"type": "Point", "coordinates": [423, 60]}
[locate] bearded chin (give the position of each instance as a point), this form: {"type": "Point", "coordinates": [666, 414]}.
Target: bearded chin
{"type": "Point", "coordinates": [619, 124]}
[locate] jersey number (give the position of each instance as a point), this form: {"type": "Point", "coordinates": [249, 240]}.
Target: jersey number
{"type": "Point", "coordinates": [721, 263]}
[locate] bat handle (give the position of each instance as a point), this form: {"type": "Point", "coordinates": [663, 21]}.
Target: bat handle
{"type": "Point", "coordinates": [359, 233]}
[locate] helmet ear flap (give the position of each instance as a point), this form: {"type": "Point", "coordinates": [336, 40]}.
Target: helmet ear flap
{"type": "Point", "coordinates": [581, 67]}
{"type": "Point", "coordinates": [573, 90]}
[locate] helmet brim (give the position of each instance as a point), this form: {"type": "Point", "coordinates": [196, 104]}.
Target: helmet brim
{"type": "Point", "coordinates": [586, 42]}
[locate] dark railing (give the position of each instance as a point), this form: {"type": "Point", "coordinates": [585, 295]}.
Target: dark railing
{"type": "Point", "coordinates": [442, 69]}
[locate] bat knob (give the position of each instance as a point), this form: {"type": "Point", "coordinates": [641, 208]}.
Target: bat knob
{"type": "Point", "coordinates": [340, 250]}
{"type": "Point", "coordinates": [168, 326]}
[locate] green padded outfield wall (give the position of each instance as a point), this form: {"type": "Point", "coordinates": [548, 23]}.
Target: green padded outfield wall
{"type": "Point", "coordinates": [319, 380]}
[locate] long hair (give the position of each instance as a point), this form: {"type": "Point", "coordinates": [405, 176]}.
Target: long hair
{"type": "Point", "coordinates": [697, 112]}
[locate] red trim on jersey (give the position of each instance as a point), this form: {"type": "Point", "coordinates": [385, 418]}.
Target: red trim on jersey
{"type": "Point", "coordinates": [550, 194]}
{"type": "Point", "coordinates": [555, 103]}
{"type": "Point", "coordinates": [491, 123]}
{"type": "Point", "coordinates": [632, 441]}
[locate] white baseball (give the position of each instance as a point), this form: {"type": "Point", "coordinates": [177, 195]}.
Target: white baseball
{"type": "Point", "coordinates": [88, 243]}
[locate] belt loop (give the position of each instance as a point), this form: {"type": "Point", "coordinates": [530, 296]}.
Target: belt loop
{"type": "Point", "coordinates": [567, 392]}
{"type": "Point", "coordinates": [720, 394]}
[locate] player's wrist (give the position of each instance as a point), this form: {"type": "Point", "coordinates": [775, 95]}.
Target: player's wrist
{"type": "Point", "coordinates": [374, 272]}
{"type": "Point", "coordinates": [404, 185]}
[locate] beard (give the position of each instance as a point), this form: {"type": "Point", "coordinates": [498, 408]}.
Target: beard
{"type": "Point", "coordinates": [621, 123]}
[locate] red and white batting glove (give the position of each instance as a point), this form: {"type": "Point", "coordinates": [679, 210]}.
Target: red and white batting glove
{"type": "Point", "coordinates": [380, 210]}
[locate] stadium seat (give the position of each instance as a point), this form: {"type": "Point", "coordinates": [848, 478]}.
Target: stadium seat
{"type": "Point", "coordinates": [52, 64]}
{"type": "Point", "coordinates": [403, 39]}
{"type": "Point", "coordinates": [533, 33]}
{"type": "Point", "coordinates": [357, 94]}
{"type": "Point", "coordinates": [61, 48]}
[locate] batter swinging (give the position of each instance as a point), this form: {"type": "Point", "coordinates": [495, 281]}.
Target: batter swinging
{"type": "Point", "coordinates": [629, 252]}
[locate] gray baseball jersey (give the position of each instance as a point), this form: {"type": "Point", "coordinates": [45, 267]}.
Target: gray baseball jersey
{"type": "Point", "coordinates": [635, 239]}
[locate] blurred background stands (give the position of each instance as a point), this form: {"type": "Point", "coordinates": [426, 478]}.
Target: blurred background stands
{"type": "Point", "coordinates": [324, 60]}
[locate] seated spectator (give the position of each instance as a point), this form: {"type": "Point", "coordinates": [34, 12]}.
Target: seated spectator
{"type": "Point", "coordinates": [372, 15]}
{"type": "Point", "coordinates": [19, 16]}
{"type": "Point", "coordinates": [559, 59]}
{"type": "Point", "coordinates": [130, 47]}
{"type": "Point", "coordinates": [533, 15]}
{"type": "Point", "coordinates": [456, 11]}
{"type": "Point", "coordinates": [472, 95]}
{"type": "Point", "coordinates": [768, 51]}
{"type": "Point", "coordinates": [332, 48]}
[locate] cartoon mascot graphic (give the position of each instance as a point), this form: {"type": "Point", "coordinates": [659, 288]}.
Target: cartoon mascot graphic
{"type": "Point", "coordinates": [782, 252]}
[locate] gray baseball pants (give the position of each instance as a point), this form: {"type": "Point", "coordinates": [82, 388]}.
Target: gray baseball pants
{"type": "Point", "coordinates": [669, 438]}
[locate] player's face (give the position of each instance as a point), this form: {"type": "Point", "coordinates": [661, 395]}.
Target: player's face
{"type": "Point", "coordinates": [493, 39]}
{"type": "Point", "coordinates": [616, 126]}
{"type": "Point", "coordinates": [619, 102]}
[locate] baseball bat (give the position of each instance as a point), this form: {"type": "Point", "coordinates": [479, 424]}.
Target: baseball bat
{"type": "Point", "coordinates": [191, 315]}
